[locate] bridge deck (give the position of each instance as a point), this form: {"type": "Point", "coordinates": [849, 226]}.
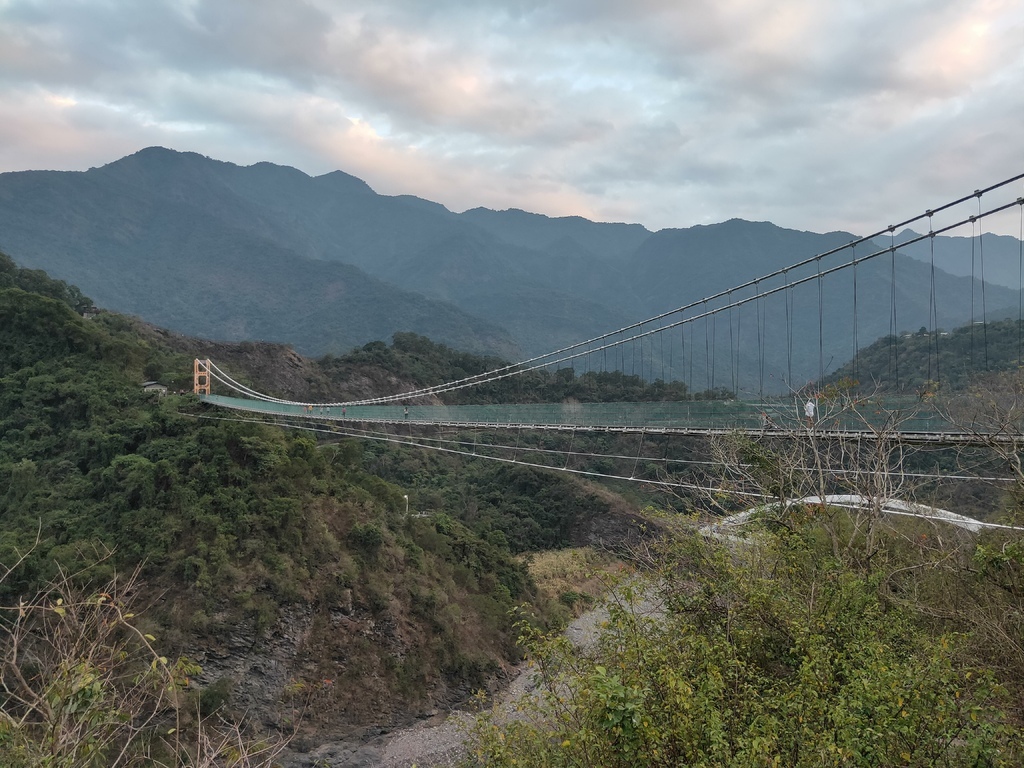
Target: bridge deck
{"type": "Point", "coordinates": [915, 421]}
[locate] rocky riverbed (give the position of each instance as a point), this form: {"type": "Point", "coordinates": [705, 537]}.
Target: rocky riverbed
{"type": "Point", "coordinates": [441, 740]}
{"type": "Point", "coordinates": [437, 741]}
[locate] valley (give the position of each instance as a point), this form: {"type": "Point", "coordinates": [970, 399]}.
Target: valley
{"type": "Point", "coordinates": [324, 588]}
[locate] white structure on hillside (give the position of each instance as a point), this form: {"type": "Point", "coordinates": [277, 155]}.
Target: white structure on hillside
{"type": "Point", "coordinates": [854, 501]}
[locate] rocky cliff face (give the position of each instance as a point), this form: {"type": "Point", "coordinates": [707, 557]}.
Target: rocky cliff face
{"type": "Point", "coordinates": [330, 671]}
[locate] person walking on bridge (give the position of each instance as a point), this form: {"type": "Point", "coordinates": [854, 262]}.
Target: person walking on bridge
{"type": "Point", "coordinates": [809, 411]}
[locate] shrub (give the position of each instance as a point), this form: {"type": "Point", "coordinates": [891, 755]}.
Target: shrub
{"type": "Point", "coordinates": [368, 538]}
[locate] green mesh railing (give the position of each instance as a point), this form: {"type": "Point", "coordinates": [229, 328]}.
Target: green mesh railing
{"type": "Point", "coordinates": [907, 415]}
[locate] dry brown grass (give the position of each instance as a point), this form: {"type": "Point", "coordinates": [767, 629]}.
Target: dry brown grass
{"type": "Point", "coordinates": [575, 577]}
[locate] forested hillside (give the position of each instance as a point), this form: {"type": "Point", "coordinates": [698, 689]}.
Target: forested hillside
{"type": "Point", "coordinates": [260, 548]}
{"type": "Point", "coordinates": [417, 359]}
{"type": "Point", "coordinates": [926, 362]}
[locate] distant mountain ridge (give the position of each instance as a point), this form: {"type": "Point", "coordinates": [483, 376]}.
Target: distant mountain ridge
{"type": "Point", "coordinates": [998, 257]}
{"type": "Point", "coordinates": [165, 236]}
{"type": "Point", "coordinates": [325, 263]}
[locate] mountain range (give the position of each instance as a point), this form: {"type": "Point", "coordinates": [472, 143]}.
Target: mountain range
{"type": "Point", "coordinates": [324, 263]}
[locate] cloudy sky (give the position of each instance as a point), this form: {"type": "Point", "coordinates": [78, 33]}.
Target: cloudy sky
{"type": "Point", "coordinates": [814, 114]}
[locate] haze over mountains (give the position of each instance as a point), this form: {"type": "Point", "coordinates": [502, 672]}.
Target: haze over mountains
{"type": "Point", "coordinates": [324, 263]}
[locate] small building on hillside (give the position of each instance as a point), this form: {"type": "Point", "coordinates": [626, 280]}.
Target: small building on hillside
{"type": "Point", "coordinates": [154, 386]}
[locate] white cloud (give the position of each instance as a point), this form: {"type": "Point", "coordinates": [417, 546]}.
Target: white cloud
{"type": "Point", "coordinates": [813, 115]}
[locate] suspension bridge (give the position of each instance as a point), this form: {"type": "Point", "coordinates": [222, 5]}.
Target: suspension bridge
{"type": "Point", "coordinates": [769, 341]}
{"type": "Point", "coordinates": [754, 359]}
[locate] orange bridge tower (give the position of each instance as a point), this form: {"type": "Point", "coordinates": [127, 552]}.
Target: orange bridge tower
{"type": "Point", "coordinates": [201, 377]}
